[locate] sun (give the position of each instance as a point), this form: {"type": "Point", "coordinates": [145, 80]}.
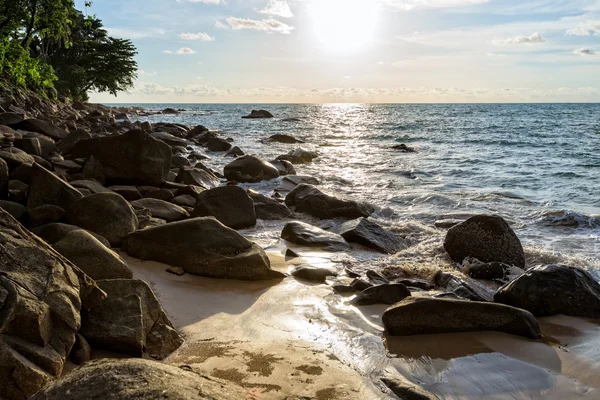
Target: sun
{"type": "Point", "coordinates": [344, 25]}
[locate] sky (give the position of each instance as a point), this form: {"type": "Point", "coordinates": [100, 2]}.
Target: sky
{"type": "Point", "coordinates": [372, 51]}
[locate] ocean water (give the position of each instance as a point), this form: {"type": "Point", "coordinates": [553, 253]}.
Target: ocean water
{"type": "Point", "coordinates": [537, 165]}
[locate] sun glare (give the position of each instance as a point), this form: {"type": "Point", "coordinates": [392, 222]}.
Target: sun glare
{"type": "Point", "coordinates": [344, 25]}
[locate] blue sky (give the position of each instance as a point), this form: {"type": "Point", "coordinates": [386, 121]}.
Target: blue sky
{"type": "Point", "coordinates": [359, 50]}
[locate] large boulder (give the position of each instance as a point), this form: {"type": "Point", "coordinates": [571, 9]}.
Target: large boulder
{"type": "Point", "coordinates": [553, 289]}
{"type": "Point", "coordinates": [267, 208]}
{"type": "Point", "coordinates": [92, 257]}
{"type": "Point", "coordinates": [47, 188]}
{"type": "Point", "coordinates": [134, 158]}
{"type": "Point", "coordinates": [310, 200]}
{"type": "Point", "coordinates": [15, 157]}
{"type": "Point", "coordinates": [41, 297]}
{"type": "Point", "coordinates": [218, 144]}
{"type": "Point", "coordinates": [113, 379]}
{"type": "Point", "coordinates": [202, 246]}
{"type": "Point", "coordinates": [43, 127]}
{"type": "Point", "coordinates": [130, 320]}
{"type": "Point", "coordinates": [487, 238]}
{"type": "Point", "coordinates": [420, 315]}
{"type": "Point", "coordinates": [197, 177]}
{"type": "Point", "coordinates": [162, 209]}
{"type": "Point", "coordinates": [369, 234]}
{"type": "Point", "coordinates": [66, 145]}
{"type": "Point", "coordinates": [231, 205]}
{"type": "Point", "coordinates": [305, 234]}
{"type": "Point", "coordinates": [52, 233]}
{"type": "Point", "coordinates": [250, 169]}
{"type": "Point", "coordinates": [107, 214]}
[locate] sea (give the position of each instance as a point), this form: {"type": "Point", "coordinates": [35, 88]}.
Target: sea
{"type": "Point", "coordinates": [536, 165]}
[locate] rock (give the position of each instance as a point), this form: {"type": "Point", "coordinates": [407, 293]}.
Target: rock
{"type": "Point", "coordinates": [313, 274]}
{"type": "Point", "coordinates": [289, 253]}
{"type": "Point", "coordinates": [10, 118]}
{"type": "Point", "coordinates": [377, 278]}
{"type": "Point", "coordinates": [113, 379]}
{"type": "Point", "coordinates": [160, 194]}
{"type": "Point", "coordinates": [169, 139]}
{"type": "Point", "coordinates": [307, 235]}
{"type": "Point", "coordinates": [81, 351]}
{"type": "Point", "coordinates": [14, 157]}
{"type": "Point", "coordinates": [92, 257]}
{"type": "Point", "coordinates": [176, 271]}
{"type": "Point", "coordinates": [179, 161]}
{"type": "Point", "coordinates": [553, 289]}
{"type": "Point", "coordinates": [250, 169]}
{"type": "Point", "coordinates": [487, 238]}
{"type": "Point", "coordinates": [54, 232]}
{"type": "Point", "coordinates": [310, 200]}
{"type": "Point", "coordinates": [230, 205]}
{"type": "Point", "coordinates": [407, 390]}
{"type": "Point", "coordinates": [107, 214]}
{"type": "Point", "coordinates": [371, 235]}
{"type": "Point", "coordinates": [416, 283]}
{"type": "Point", "coordinates": [91, 185]}
{"type": "Point", "coordinates": [134, 158]}
{"type": "Point", "coordinates": [218, 144]}
{"type": "Point", "coordinates": [417, 316]}
{"type": "Point", "coordinates": [198, 130]}
{"type": "Point", "coordinates": [41, 297]}
{"type": "Point", "coordinates": [460, 287]}
{"type": "Point", "coordinates": [390, 293]}
{"type": "Point", "coordinates": [162, 209]}
{"type": "Point", "coordinates": [66, 144]}
{"type": "Point", "coordinates": [235, 152]}
{"type": "Point", "coordinates": [258, 114]}
{"type": "Point", "coordinates": [16, 210]}
{"type": "Point", "coordinates": [17, 191]}
{"type": "Point", "coordinates": [284, 139]}
{"type": "Point", "coordinates": [43, 127]}
{"type": "Point", "coordinates": [47, 188]}
{"type": "Point", "coordinates": [202, 246]}
{"type": "Point", "coordinates": [197, 177]}
{"type": "Point", "coordinates": [93, 169]}
{"type": "Point", "coordinates": [284, 167]}
{"type": "Point", "coordinates": [4, 178]}
{"type": "Point", "coordinates": [299, 156]}
{"type": "Point", "coordinates": [404, 148]}
{"type": "Point", "coordinates": [29, 145]}
{"type": "Point", "coordinates": [360, 284]}
{"type": "Point", "coordinates": [131, 321]}
{"type": "Point", "coordinates": [146, 126]}
{"type": "Point", "coordinates": [170, 111]}
{"type": "Point", "coordinates": [489, 271]}
{"type": "Point", "coordinates": [45, 214]}
{"type": "Point", "coordinates": [185, 200]}
{"type": "Point", "coordinates": [267, 208]}
{"type": "Point", "coordinates": [129, 193]}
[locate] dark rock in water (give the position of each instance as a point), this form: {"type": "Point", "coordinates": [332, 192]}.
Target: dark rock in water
{"type": "Point", "coordinates": [420, 316]}
{"type": "Point", "coordinates": [351, 273]}
{"type": "Point", "coordinates": [162, 209]}
{"type": "Point", "coordinates": [299, 156]}
{"type": "Point", "coordinates": [377, 278]}
{"type": "Point", "coordinates": [259, 114]}
{"type": "Point", "coordinates": [250, 169]}
{"type": "Point", "coordinates": [231, 205]}
{"type": "Point", "coordinates": [115, 379]}
{"type": "Point", "coordinates": [45, 214]}
{"type": "Point", "coordinates": [43, 127]}
{"type": "Point", "coordinates": [360, 284]}
{"type": "Point", "coordinates": [371, 235]}
{"type": "Point", "coordinates": [170, 111]}
{"type": "Point", "coordinates": [129, 193]}
{"type": "Point", "coordinates": [130, 320]}
{"type": "Point", "coordinates": [218, 144]}
{"type": "Point", "coordinates": [41, 297]}
{"type": "Point", "coordinates": [313, 274]}
{"type": "Point", "coordinates": [404, 148]}
{"type": "Point", "coordinates": [92, 257]}
{"type": "Point", "coordinates": [407, 390]}
{"type": "Point", "coordinates": [235, 152]}
{"type": "Point", "coordinates": [487, 238]}
{"type": "Point", "coordinates": [202, 246]}
{"type": "Point", "coordinates": [291, 253]}
{"type": "Point", "coordinates": [553, 289]}
{"type": "Point", "coordinates": [291, 120]}
{"type": "Point", "coordinates": [267, 208]}
{"type": "Point", "coordinates": [107, 214]}
{"type": "Point", "coordinates": [47, 188]}
{"type": "Point", "coordinates": [54, 232]}
{"type": "Point", "coordinates": [460, 287]}
{"type": "Point", "coordinates": [307, 235]}
{"type": "Point", "coordinates": [134, 158]}
{"type": "Point", "coordinates": [4, 178]}
{"type": "Point", "coordinates": [446, 223]}
{"type": "Point", "coordinates": [16, 210]}
{"type": "Point", "coordinates": [81, 351]}
{"type": "Point", "coordinates": [284, 139]}
{"type": "Point", "coordinates": [197, 177]}
{"type": "Point", "coordinates": [390, 293]}
{"type": "Point", "coordinates": [489, 271]}
{"type": "Point", "coordinates": [284, 167]}
{"type": "Point", "coordinates": [310, 200]}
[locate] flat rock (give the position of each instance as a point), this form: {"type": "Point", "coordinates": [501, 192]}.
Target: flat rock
{"type": "Point", "coordinates": [281, 138]}
{"type": "Point", "coordinates": [369, 234]}
{"type": "Point", "coordinates": [231, 205]}
{"type": "Point", "coordinates": [310, 200]}
{"type": "Point", "coordinates": [305, 234]}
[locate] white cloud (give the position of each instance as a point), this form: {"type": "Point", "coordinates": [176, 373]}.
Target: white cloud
{"type": "Point", "coordinates": [204, 1]}
{"type": "Point", "coordinates": [408, 5]}
{"type": "Point", "coordinates": [534, 38]}
{"type": "Point", "coordinates": [587, 28]}
{"type": "Point", "coordinates": [585, 51]}
{"type": "Point", "coordinates": [220, 25]}
{"type": "Point", "coordinates": [279, 8]}
{"type": "Point", "coordinates": [135, 34]}
{"type": "Point", "coordinates": [205, 37]}
{"type": "Point", "coordinates": [265, 25]}
{"type": "Point", "coordinates": [183, 50]}
{"type": "Point", "coordinates": [141, 72]}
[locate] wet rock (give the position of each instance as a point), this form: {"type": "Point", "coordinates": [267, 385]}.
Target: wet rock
{"type": "Point", "coordinates": [250, 169]}
{"type": "Point", "coordinates": [417, 316]}
{"type": "Point", "coordinates": [313, 274]}
{"type": "Point", "coordinates": [360, 284]}
{"type": "Point", "coordinates": [92, 257]}
{"type": "Point", "coordinates": [267, 208]}
{"type": "Point", "coordinates": [170, 111]}
{"type": "Point", "coordinates": [404, 148]}
{"type": "Point", "coordinates": [179, 161]}
{"type": "Point", "coordinates": [202, 246]}
{"type": "Point", "coordinates": [235, 152]}
{"type": "Point", "coordinates": [112, 379]}
{"type": "Point", "coordinates": [258, 114]}
{"type": "Point", "coordinates": [489, 271]}
{"type": "Point", "coordinates": [460, 287]}
{"type": "Point", "coordinates": [284, 167]}
{"type": "Point", "coordinates": [289, 253]}
{"type": "Point", "coordinates": [299, 156]}
{"type": "Point", "coordinates": [130, 320]}
{"type": "Point", "coordinates": [371, 235]}
{"type": "Point", "coordinates": [416, 283]}
{"type": "Point", "coordinates": [377, 278]}
{"type": "Point", "coordinates": [107, 214]}
{"type": "Point", "coordinates": [162, 209]}
{"type": "Point", "coordinates": [553, 289]}
{"type": "Point", "coordinates": [197, 177]}
{"type": "Point", "coordinates": [310, 200]}
{"type": "Point", "coordinates": [390, 293]}
{"type": "Point", "coordinates": [407, 390]}
{"type": "Point", "coordinates": [134, 158]}
{"type": "Point", "coordinates": [284, 139]}
{"type": "Point", "coordinates": [487, 238]}
{"type": "Point", "coordinates": [305, 234]}
{"type": "Point", "coordinates": [231, 205]}
{"type": "Point", "coordinates": [43, 127]}
{"type": "Point", "coordinates": [47, 188]}
{"type": "Point", "coordinates": [218, 144]}
{"type": "Point", "coordinates": [81, 351]}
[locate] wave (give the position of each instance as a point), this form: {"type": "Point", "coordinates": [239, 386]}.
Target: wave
{"type": "Point", "coordinates": [566, 218]}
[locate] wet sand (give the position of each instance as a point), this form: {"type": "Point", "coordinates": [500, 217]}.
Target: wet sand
{"type": "Point", "coordinates": [285, 338]}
